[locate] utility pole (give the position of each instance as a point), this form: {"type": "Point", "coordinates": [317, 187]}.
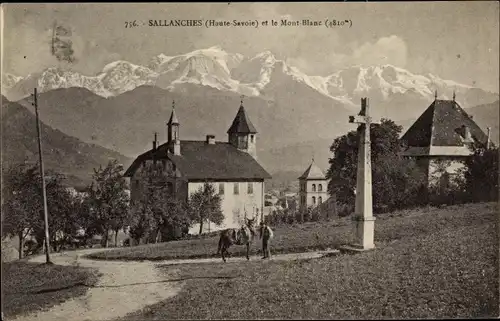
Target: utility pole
{"type": "Point", "coordinates": [209, 211]}
{"type": "Point", "coordinates": [42, 173]}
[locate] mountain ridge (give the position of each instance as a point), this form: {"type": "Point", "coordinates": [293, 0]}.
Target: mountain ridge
{"type": "Point", "coordinates": [288, 107]}
{"type": "Point", "coordinates": [65, 154]}
{"type": "Point", "coordinates": [234, 72]}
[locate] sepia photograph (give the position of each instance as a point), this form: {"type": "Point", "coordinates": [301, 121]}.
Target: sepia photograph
{"type": "Point", "coordinates": [250, 160]}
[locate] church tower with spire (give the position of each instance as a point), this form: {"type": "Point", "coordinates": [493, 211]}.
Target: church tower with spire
{"type": "Point", "coordinates": [313, 187]}
{"type": "Point", "coordinates": [173, 139]}
{"type": "Point", "coordinates": [242, 133]}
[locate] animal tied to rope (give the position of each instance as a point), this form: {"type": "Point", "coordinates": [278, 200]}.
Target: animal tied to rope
{"type": "Point", "coordinates": [238, 236]}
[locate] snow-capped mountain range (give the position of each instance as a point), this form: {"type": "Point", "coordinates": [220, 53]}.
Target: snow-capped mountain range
{"type": "Point", "coordinates": [232, 72]}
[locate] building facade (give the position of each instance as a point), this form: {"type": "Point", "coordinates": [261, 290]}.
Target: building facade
{"type": "Point", "coordinates": [231, 167]}
{"type": "Point", "coordinates": [313, 187]}
{"type": "Point", "coordinates": [441, 139]}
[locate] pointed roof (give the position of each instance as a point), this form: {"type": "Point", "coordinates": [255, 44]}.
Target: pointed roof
{"type": "Point", "coordinates": [241, 123]}
{"type": "Point", "coordinates": [313, 172]}
{"type": "Point", "coordinates": [173, 118]}
{"type": "Point", "coordinates": [439, 131]}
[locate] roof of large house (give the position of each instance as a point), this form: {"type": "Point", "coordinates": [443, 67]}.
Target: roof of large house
{"type": "Point", "coordinates": [200, 160]}
{"type": "Point", "coordinates": [313, 172]}
{"type": "Point", "coordinates": [440, 131]}
{"type": "Point", "coordinates": [241, 123]}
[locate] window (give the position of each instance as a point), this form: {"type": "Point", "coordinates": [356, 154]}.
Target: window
{"type": "Point", "coordinates": [221, 188]}
{"type": "Point", "coordinates": [251, 138]}
{"type": "Point", "coordinates": [250, 188]}
{"type": "Point", "coordinates": [314, 200]}
{"type": "Point", "coordinates": [243, 142]}
{"type": "Point", "coordinates": [314, 187]}
{"type": "Point", "coordinates": [236, 189]}
{"type": "Point", "coordinates": [320, 187]}
{"type": "Point", "coordinates": [320, 199]}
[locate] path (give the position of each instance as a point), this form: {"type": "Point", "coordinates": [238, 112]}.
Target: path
{"type": "Point", "coordinates": [275, 257]}
{"type": "Point", "coordinates": [122, 289]}
{"type": "Point", "coordinates": [126, 287]}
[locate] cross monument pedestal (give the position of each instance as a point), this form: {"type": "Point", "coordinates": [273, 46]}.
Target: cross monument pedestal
{"type": "Point", "coordinates": [364, 229]}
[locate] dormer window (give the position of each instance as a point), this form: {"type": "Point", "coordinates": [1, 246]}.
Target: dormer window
{"type": "Point", "coordinates": [466, 134]}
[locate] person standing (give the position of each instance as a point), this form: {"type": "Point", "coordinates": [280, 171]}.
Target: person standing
{"type": "Point", "coordinates": [266, 234]}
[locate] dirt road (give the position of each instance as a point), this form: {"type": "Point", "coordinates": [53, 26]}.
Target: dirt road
{"type": "Point", "coordinates": [126, 287]}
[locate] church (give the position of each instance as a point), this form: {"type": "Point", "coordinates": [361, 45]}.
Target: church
{"type": "Point", "coordinates": [231, 167]}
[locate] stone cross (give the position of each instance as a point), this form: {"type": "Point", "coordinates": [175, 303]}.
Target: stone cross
{"type": "Point", "coordinates": [365, 222]}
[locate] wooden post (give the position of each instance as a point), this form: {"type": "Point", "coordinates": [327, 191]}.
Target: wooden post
{"type": "Point", "coordinates": [42, 173]}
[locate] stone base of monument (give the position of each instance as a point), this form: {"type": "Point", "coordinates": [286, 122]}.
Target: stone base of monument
{"type": "Point", "coordinates": [353, 248]}
{"type": "Point", "coordinates": [364, 229]}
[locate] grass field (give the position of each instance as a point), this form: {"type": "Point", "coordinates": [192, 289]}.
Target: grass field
{"type": "Point", "coordinates": [28, 287]}
{"type": "Point", "coordinates": [444, 265]}
{"type": "Point", "coordinates": [308, 236]}
{"type": "Point", "coordinates": [437, 264]}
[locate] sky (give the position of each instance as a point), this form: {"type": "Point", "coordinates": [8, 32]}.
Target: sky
{"type": "Point", "coordinates": [454, 40]}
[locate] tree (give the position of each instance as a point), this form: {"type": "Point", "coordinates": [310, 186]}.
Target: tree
{"type": "Point", "coordinates": [395, 179]}
{"type": "Point", "coordinates": [24, 211]}
{"type": "Point", "coordinates": [398, 183]}
{"type": "Point", "coordinates": [108, 198]}
{"type": "Point", "coordinates": [481, 174]}
{"type": "Point", "coordinates": [141, 221]}
{"type": "Point", "coordinates": [205, 205]}
{"type": "Point", "coordinates": [162, 213]}
{"type": "Point", "coordinates": [62, 216]}
{"type": "Point", "coordinates": [21, 205]}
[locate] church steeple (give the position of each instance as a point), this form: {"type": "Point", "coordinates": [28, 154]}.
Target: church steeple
{"type": "Point", "coordinates": [173, 132]}
{"type": "Point", "coordinates": [173, 117]}
{"type": "Point", "coordinates": [312, 187]}
{"type": "Point", "coordinates": [242, 133]}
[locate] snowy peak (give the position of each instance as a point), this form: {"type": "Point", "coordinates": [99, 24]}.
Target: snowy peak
{"type": "Point", "coordinates": [157, 61]}
{"type": "Point", "coordinates": [385, 80]}
{"type": "Point", "coordinates": [219, 69]}
{"type": "Point", "coordinates": [9, 81]}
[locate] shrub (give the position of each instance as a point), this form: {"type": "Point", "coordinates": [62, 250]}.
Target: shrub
{"type": "Point", "coordinates": [481, 175]}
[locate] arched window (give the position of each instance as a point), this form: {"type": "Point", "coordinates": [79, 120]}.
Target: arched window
{"type": "Point", "coordinates": [314, 199]}
{"type": "Point", "coordinates": [314, 187]}
{"type": "Point", "coordinates": [320, 187]}
{"type": "Point", "coordinates": [320, 199]}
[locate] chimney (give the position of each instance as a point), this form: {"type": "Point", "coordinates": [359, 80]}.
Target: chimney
{"type": "Point", "coordinates": [210, 139]}
{"type": "Point", "coordinates": [155, 143]}
{"type": "Point", "coordinates": [488, 141]}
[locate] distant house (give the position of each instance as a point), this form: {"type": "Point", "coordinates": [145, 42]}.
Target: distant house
{"type": "Point", "coordinates": [271, 199]}
{"type": "Point", "coordinates": [231, 167]}
{"type": "Point", "coordinates": [313, 187]}
{"type": "Point", "coordinates": [441, 139]}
